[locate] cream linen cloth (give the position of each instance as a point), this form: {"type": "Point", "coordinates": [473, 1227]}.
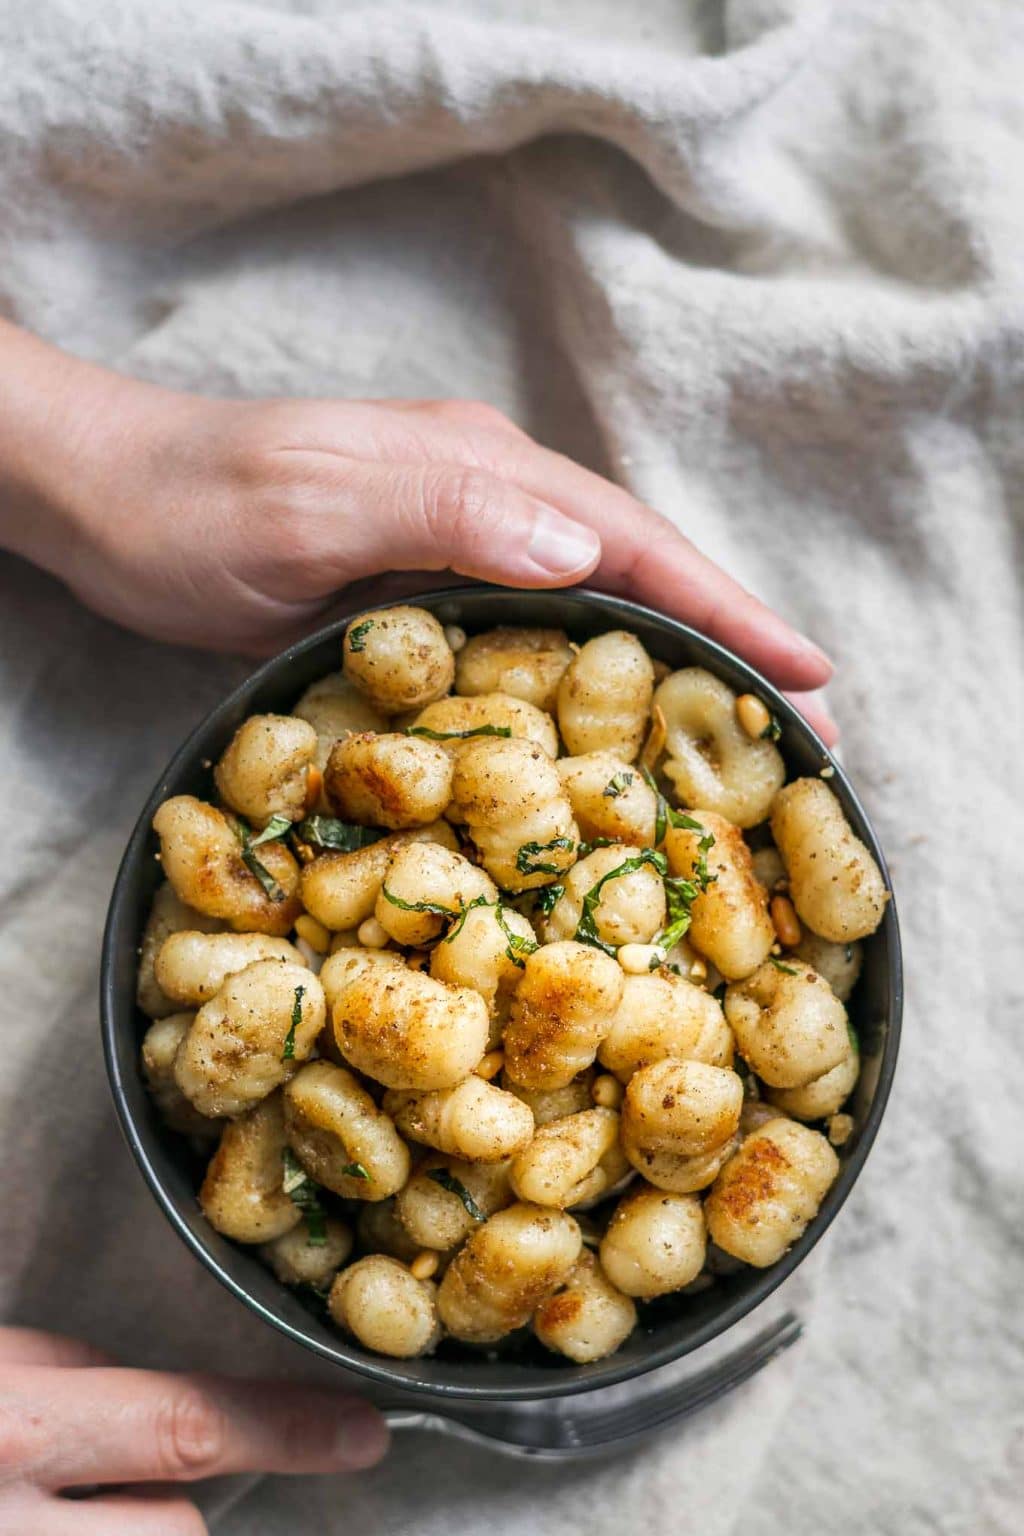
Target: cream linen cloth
{"type": "Point", "coordinates": [762, 262]}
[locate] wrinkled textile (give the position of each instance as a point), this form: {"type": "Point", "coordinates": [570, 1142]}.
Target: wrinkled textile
{"type": "Point", "coordinates": [760, 260]}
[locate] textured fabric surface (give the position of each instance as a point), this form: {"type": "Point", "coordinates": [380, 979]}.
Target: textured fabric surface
{"type": "Point", "coordinates": [759, 260]}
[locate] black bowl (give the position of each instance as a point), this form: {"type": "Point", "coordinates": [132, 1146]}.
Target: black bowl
{"type": "Point", "coordinates": [670, 1327]}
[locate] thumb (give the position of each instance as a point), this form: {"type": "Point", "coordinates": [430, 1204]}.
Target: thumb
{"type": "Point", "coordinates": [437, 516]}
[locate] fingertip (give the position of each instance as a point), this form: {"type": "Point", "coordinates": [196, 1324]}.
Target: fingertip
{"type": "Point", "coordinates": [560, 549]}
{"type": "Point", "coordinates": [362, 1437]}
{"type": "Point", "coordinates": [816, 668]}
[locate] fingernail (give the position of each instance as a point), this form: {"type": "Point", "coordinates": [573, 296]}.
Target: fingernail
{"type": "Point", "coordinates": [560, 546]}
{"type": "Point", "coordinates": [810, 649]}
{"type": "Point", "coordinates": [362, 1437]}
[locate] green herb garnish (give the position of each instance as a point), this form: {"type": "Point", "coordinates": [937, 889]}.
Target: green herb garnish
{"type": "Point", "coordinates": [596, 842]}
{"type": "Point", "coordinates": [547, 897]}
{"type": "Point", "coordinates": [790, 970]}
{"type": "Point", "coordinates": [772, 731]}
{"type": "Point", "coordinates": [854, 1042]}
{"type": "Point", "coordinates": [419, 906]}
{"type": "Point", "coordinates": [478, 730]}
{"type": "Point", "coordinates": [586, 928]}
{"type": "Point", "coordinates": [275, 828]}
{"type": "Point", "coordinates": [530, 850]}
{"type": "Point", "coordinates": [616, 785]}
{"type": "Point", "coordinates": [460, 922]}
{"type": "Point", "coordinates": [355, 1171]}
{"type": "Point", "coordinates": [288, 1054]}
{"type": "Point", "coordinates": [357, 635]}
{"type": "Point", "coordinates": [297, 1184]}
{"type": "Point", "coordinates": [517, 947]}
{"type": "Point", "coordinates": [249, 859]}
{"type": "Point", "coordinates": [455, 1186]}
{"type": "Point", "coordinates": [327, 832]}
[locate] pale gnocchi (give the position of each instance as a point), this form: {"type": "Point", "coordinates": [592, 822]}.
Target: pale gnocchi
{"type": "Point", "coordinates": [439, 971]}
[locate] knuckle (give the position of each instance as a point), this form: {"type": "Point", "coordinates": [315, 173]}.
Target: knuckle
{"type": "Point", "coordinates": [455, 500]}
{"type": "Point", "coordinates": [192, 1433]}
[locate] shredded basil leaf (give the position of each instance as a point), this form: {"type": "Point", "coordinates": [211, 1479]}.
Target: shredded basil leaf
{"type": "Point", "coordinates": [478, 730]}
{"type": "Point", "coordinates": [517, 946]}
{"type": "Point", "coordinates": [529, 850]}
{"type": "Point", "coordinates": [419, 906]}
{"type": "Point", "coordinates": [276, 827]}
{"type": "Point", "coordinates": [327, 832]}
{"type": "Point", "coordinates": [297, 1184]}
{"type": "Point", "coordinates": [244, 834]}
{"type": "Point", "coordinates": [586, 928]}
{"type": "Point", "coordinates": [596, 842]}
{"type": "Point", "coordinates": [617, 784]}
{"type": "Point", "coordinates": [790, 970]}
{"type": "Point", "coordinates": [772, 731]}
{"type": "Point", "coordinates": [547, 897]}
{"type": "Point", "coordinates": [357, 635]}
{"type": "Point", "coordinates": [355, 1171]}
{"type": "Point", "coordinates": [459, 924]}
{"type": "Point", "coordinates": [288, 1054]}
{"type": "Point", "coordinates": [455, 1186]}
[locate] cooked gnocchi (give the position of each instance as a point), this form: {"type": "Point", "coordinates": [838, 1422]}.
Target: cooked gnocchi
{"type": "Point", "coordinates": [473, 941]}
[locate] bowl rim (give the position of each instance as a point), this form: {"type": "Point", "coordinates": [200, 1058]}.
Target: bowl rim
{"type": "Point", "coordinates": [380, 1369]}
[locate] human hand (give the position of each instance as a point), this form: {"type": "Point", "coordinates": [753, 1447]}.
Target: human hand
{"type": "Point", "coordinates": [232, 524]}
{"type": "Point", "coordinates": [70, 1420]}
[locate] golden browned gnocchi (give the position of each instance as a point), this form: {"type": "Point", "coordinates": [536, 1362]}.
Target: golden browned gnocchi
{"type": "Point", "coordinates": [654, 1243]}
{"type": "Point", "coordinates": [610, 798]}
{"type": "Point", "coordinates": [399, 658]}
{"type": "Point", "coordinates": [510, 798]}
{"type": "Point", "coordinates": [526, 663]}
{"type": "Point", "coordinates": [571, 1160]}
{"type": "Point", "coordinates": [604, 698]}
{"type": "Point", "coordinates": [679, 1119]}
{"type": "Point", "coordinates": [435, 970]}
{"type": "Point", "coordinates": [836, 886]}
{"type": "Point", "coordinates": [562, 1010]}
{"type": "Point", "coordinates": [618, 893]}
{"type": "Point", "coordinates": [661, 1016]}
{"type": "Point", "coordinates": [249, 1037]}
{"type": "Point", "coordinates": [769, 1190]}
{"type": "Point", "coordinates": [789, 1025]}
{"type": "Point", "coordinates": [191, 966]}
{"type": "Point", "coordinates": [264, 771]}
{"type": "Point", "coordinates": [729, 921]}
{"type": "Point", "coordinates": [386, 1307]}
{"type": "Point", "coordinates": [243, 1194]}
{"type": "Point", "coordinates": [387, 780]}
{"type": "Point", "coordinates": [204, 858]}
{"type": "Point", "coordinates": [708, 755]}
{"type": "Point", "coordinates": [423, 887]}
{"type": "Point", "coordinates": [408, 1030]}
{"type": "Point", "coordinates": [505, 1269]}
{"type": "Point", "coordinates": [340, 1137]}
{"type": "Point", "coordinates": [474, 1121]}
{"type": "Point", "coordinates": [588, 1317]}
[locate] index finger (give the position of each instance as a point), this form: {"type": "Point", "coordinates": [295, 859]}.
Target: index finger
{"type": "Point", "coordinates": [102, 1425]}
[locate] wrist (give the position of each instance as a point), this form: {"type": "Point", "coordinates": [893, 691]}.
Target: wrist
{"type": "Point", "coordinates": [54, 445]}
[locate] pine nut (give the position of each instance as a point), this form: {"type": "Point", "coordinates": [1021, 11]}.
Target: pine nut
{"type": "Point", "coordinates": [698, 970]}
{"type": "Point", "coordinates": [424, 1265]}
{"type": "Point", "coordinates": [314, 933]}
{"type": "Point", "coordinates": [787, 924]}
{"type": "Point", "coordinates": [753, 715]}
{"type": "Point", "coordinates": [371, 935]}
{"type": "Point", "coordinates": [606, 1091]}
{"type": "Point", "coordinates": [455, 635]}
{"type": "Point", "coordinates": [638, 959]}
{"type": "Point", "coordinates": [490, 1065]}
{"type": "Point", "coordinates": [840, 1129]}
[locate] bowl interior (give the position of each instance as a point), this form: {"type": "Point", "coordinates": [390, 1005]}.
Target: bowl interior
{"type": "Point", "coordinates": [668, 1328]}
